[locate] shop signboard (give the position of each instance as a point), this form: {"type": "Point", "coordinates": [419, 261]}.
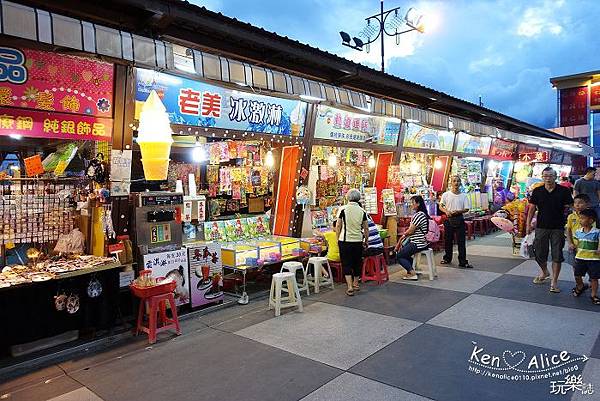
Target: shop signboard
{"type": "Point", "coordinates": [34, 79]}
{"type": "Point", "coordinates": [541, 156]}
{"type": "Point", "coordinates": [556, 157]}
{"type": "Point", "coordinates": [41, 124]}
{"type": "Point", "coordinates": [173, 265]}
{"type": "Point", "coordinates": [206, 274]}
{"type": "Point", "coordinates": [573, 106]}
{"type": "Point", "coordinates": [471, 144]}
{"type": "Point", "coordinates": [341, 125]}
{"type": "Point", "coordinates": [503, 150]}
{"type": "Point", "coordinates": [595, 97]}
{"type": "Point", "coordinates": [418, 136]}
{"type": "Point", "coordinates": [190, 102]}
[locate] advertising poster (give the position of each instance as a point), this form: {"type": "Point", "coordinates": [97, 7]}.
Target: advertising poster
{"type": "Point", "coordinates": [475, 145]}
{"type": "Point", "coordinates": [206, 274]}
{"type": "Point", "coordinates": [573, 106]}
{"type": "Point", "coordinates": [389, 202]}
{"type": "Point", "coordinates": [370, 201]}
{"type": "Point", "coordinates": [190, 102]}
{"type": "Point", "coordinates": [503, 150]}
{"type": "Point", "coordinates": [417, 136]}
{"type": "Point", "coordinates": [171, 264]}
{"type": "Point", "coordinates": [342, 125]}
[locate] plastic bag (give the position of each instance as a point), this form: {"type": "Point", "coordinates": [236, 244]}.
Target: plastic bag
{"type": "Point", "coordinates": [527, 250]}
{"type": "Point", "coordinates": [73, 242]}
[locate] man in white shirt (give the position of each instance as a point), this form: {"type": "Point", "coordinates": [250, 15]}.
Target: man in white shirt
{"type": "Point", "coordinates": [455, 204]}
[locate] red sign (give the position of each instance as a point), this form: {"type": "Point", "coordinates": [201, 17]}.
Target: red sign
{"type": "Point", "coordinates": [573, 106]}
{"type": "Point", "coordinates": [39, 124]}
{"type": "Point", "coordinates": [538, 157]}
{"type": "Point", "coordinates": [595, 96]}
{"type": "Point", "coordinates": [34, 79]}
{"type": "Point", "coordinates": [503, 150]}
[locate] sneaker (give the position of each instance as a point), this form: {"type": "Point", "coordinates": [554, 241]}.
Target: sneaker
{"type": "Point", "coordinates": [466, 266]}
{"type": "Point", "coordinates": [412, 277]}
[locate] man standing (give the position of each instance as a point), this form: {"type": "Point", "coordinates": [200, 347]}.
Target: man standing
{"type": "Point", "coordinates": [551, 201]}
{"type": "Point", "coordinates": [455, 204]}
{"type": "Point", "coordinates": [589, 185]}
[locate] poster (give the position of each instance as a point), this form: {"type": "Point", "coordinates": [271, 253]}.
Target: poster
{"type": "Point", "coordinates": [197, 103]}
{"type": "Point", "coordinates": [206, 274]}
{"type": "Point", "coordinates": [34, 79]}
{"type": "Point", "coordinates": [171, 264]}
{"type": "Point", "coordinates": [573, 106]}
{"type": "Point", "coordinates": [389, 202]}
{"type": "Point", "coordinates": [475, 145]}
{"type": "Point", "coordinates": [342, 125]}
{"type": "Point", "coordinates": [370, 203]}
{"type": "Point", "coordinates": [503, 150]}
{"type": "Point", "coordinates": [417, 136]}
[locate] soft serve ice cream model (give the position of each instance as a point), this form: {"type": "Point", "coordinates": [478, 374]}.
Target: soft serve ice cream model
{"type": "Point", "coordinates": [154, 138]}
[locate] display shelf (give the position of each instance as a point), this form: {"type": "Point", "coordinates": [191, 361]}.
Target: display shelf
{"type": "Point", "coordinates": [267, 247]}
{"type": "Point", "coordinates": [234, 254]}
{"type": "Point", "coordinates": [288, 244]}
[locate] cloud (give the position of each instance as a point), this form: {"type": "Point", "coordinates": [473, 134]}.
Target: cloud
{"type": "Point", "coordinates": [486, 62]}
{"type": "Point", "coordinates": [543, 19]}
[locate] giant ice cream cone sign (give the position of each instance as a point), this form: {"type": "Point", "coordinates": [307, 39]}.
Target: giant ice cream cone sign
{"type": "Point", "coordinates": [154, 138]}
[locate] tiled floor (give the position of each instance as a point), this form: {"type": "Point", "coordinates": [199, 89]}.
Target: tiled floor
{"type": "Point", "coordinates": [416, 341]}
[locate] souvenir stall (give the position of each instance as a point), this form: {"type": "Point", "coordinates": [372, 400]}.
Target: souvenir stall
{"type": "Point", "coordinates": [529, 158]}
{"type": "Point", "coordinates": [56, 285]}
{"type": "Point", "coordinates": [226, 145]}
{"type": "Point", "coordinates": [500, 166]}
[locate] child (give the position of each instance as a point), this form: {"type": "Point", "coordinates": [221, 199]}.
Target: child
{"type": "Point", "coordinates": [333, 249]}
{"type": "Point", "coordinates": [587, 258]}
{"type": "Point", "coordinates": [581, 202]}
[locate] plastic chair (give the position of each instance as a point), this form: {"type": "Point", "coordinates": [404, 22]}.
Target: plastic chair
{"type": "Point", "coordinates": [293, 299]}
{"type": "Point", "coordinates": [431, 267]}
{"type": "Point", "coordinates": [317, 280]}
{"type": "Point", "coordinates": [157, 305]}
{"type": "Point", "coordinates": [292, 267]}
{"type": "Point", "coordinates": [374, 268]}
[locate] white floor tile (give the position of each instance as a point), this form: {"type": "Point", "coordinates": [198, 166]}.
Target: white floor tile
{"type": "Point", "coordinates": [453, 279]}
{"type": "Point", "coordinates": [530, 268]}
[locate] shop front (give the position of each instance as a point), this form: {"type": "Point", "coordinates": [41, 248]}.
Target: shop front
{"type": "Point", "coordinates": [56, 128]}
{"type": "Point", "coordinates": [500, 167]}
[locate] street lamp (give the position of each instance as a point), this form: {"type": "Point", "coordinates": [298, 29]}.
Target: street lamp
{"type": "Point", "coordinates": [412, 19]}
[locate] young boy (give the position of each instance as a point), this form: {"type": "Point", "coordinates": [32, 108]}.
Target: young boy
{"type": "Point", "coordinates": [580, 202]}
{"type": "Point", "coordinates": [587, 258]}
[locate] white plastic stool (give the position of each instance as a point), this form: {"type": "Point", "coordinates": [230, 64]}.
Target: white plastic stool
{"type": "Point", "coordinates": [432, 269]}
{"type": "Point", "coordinates": [293, 298]}
{"type": "Point", "coordinates": [317, 262]}
{"type": "Point", "coordinates": [293, 267]}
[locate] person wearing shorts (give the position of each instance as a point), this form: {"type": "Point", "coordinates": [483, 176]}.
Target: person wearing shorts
{"type": "Point", "coordinates": [587, 258]}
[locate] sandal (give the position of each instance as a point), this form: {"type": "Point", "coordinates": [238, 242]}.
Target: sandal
{"type": "Point", "coordinates": [350, 293]}
{"type": "Point", "coordinates": [595, 300]}
{"type": "Point", "coordinates": [356, 287]}
{"type": "Point", "coordinates": [444, 262]}
{"type": "Point", "coordinates": [555, 290]}
{"type": "Point", "coordinates": [541, 280]}
{"type": "Point", "coordinates": [578, 291]}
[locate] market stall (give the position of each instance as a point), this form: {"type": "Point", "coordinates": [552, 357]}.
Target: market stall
{"type": "Point", "coordinates": [500, 166]}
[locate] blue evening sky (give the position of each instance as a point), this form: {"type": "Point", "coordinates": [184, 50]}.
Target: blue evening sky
{"type": "Point", "coordinates": [503, 50]}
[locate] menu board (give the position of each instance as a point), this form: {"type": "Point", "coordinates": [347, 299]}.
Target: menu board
{"type": "Point", "coordinates": [417, 136]}
{"type": "Point", "coordinates": [475, 145]}
{"type": "Point", "coordinates": [370, 200]}
{"type": "Point", "coordinates": [389, 202]}
{"type": "Point", "coordinates": [206, 274]}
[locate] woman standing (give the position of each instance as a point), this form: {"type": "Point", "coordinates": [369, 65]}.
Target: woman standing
{"type": "Point", "coordinates": [352, 232]}
{"type": "Point", "coordinates": [413, 240]}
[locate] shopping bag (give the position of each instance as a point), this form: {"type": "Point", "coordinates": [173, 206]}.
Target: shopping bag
{"type": "Point", "coordinates": [527, 250]}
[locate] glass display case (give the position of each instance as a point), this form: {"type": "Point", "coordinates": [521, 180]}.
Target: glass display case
{"type": "Point", "coordinates": [288, 245]}
{"type": "Point", "coordinates": [234, 254]}
{"type": "Point", "coordinates": [266, 248]}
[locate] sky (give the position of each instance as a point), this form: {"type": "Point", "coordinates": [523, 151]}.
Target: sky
{"type": "Point", "coordinates": [502, 50]}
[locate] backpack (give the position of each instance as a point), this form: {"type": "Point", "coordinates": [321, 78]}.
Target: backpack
{"type": "Point", "coordinates": [433, 233]}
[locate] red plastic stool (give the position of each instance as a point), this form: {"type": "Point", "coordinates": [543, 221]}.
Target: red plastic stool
{"type": "Point", "coordinates": [470, 230]}
{"type": "Point", "coordinates": [338, 273]}
{"type": "Point", "coordinates": [479, 226]}
{"type": "Point", "coordinates": [374, 268]}
{"type": "Point", "coordinates": [158, 309]}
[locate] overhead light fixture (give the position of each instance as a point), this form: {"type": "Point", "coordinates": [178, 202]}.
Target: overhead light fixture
{"type": "Point", "coordinates": [545, 145]}
{"type": "Point", "coordinates": [16, 136]}
{"type": "Point", "coordinates": [345, 38]}
{"type": "Point", "coordinates": [371, 163]}
{"type": "Point", "coordinates": [438, 164]}
{"type": "Point", "coordinates": [475, 159]}
{"type": "Point", "coordinates": [332, 160]}
{"type": "Point", "coordinates": [492, 165]}
{"type": "Point", "coordinates": [414, 167]}
{"type": "Point", "coordinates": [311, 98]}
{"type": "Point", "coordinates": [410, 120]}
{"type": "Point", "coordinates": [199, 153]}
{"type": "Point", "coordinates": [269, 159]}
{"type": "Point", "coordinates": [531, 141]}
{"type": "Point", "coordinates": [365, 109]}
{"type": "Point", "coordinates": [358, 43]}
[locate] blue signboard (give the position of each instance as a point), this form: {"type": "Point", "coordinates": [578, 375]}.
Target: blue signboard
{"type": "Point", "coordinates": [190, 102]}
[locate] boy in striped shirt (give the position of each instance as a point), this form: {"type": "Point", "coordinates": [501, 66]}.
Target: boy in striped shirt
{"type": "Point", "coordinates": [587, 258]}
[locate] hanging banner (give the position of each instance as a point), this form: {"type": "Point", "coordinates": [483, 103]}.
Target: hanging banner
{"type": "Point", "coordinates": [573, 106]}
{"type": "Point", "coordinates": [503, 150]}
{"type": "Point", "coordinates": [197, 103]}
{"type": "Point", "coordinates": [341, 125]}
{"type": "Point", "coordinates": [417, 136]}
{"type": "Point", "coordinates": [541, 156]}
{"type": "Point", "coordinates": [39, 124]}
{"type": "Point", "coordinates": [34, 79]}
{"type": "Point", "coordinates": [475, 145]}
{"type": "Point", "coordinates": [595, 97]}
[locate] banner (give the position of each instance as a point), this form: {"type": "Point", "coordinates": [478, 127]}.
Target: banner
{"type": "Point", "coordinates": [33, 79]}
{"type": "Point", "coordinates": [197, 103]}
{"type": "Point", "coordinates": [503, 150]}
{"type": "Point", "coordinates": [595, 96]}
{"type": "Point", "coordinates": [573, 106]}
{"type": "Point", "coordinates": [342, 125]}
{"type": "Point", "coordinates": [475, 145]}
{"type": "Point", "coordinates": [417, 136]}
{"type": "Point", "coordinates": [541, 156]}
{"type": "Point", "coordinates": [51, 125]}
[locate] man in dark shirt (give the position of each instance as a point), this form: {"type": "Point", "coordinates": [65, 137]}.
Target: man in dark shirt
{"type": "Point", "coordinates": [589, 185]}
{"type": "Point", "coordinates": [551, 201]}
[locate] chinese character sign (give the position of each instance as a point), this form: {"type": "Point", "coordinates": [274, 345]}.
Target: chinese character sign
{"type": "Point", "coordinates": [206, 274]}
{"type": "Point", "coordinates": [573, 106]}
{"type": "Point", "coordinates": [417, 136]}
{"type": "Point", "coordinates": [340, 125]}
{"type": "Point", "coordinates": [172, 265]}
{"type": "Point", "coordinates": [39, 124]}
{"type": "Point", "coordinates": [191, 102]}
{"type": "Point", "coordinates": [503, 150]}
{"type": "Point", "coordinates": [538, 157]}
{"type": "Point", "coordinates": [475, 145]}
{"type": "Point", "coordinates": [34, 79]}
{"type": "Point", "coordinates": [595, 97]}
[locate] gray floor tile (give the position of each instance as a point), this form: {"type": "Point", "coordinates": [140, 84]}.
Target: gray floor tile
{"type": "Point", "coordinates": [596, 351]}
{"type": "Point", "coordinates": [477, 249]}
{"type": "Point", "coordinates": [331, 334]}
{"type": "Point", "coordinates": [209, 366]}
{"type": "Point", "coordinates": [434, 362]}
{"type": "Point", "coordinates": [349, 387]}
{"type": "Point", "coordinates": [591, 375]}
{"type": "Point", "coordinates": [81, 394]}
{"type": "Point", "coordinates": [529, 268]}
{"type": "Point", "coordinates": [463, 280]}
{"type": "Point", "coordinates": [485, 263]}
{"type": "Point", "coordinates": [521, 288]}
{"type": "Point", "coordinates": [398, 300]}
{"type": "Point", "coordinates": [529, 323]}
{"type": "Point", "coordinates": [43, 390]}
{"type": "Point", "coordinates": [36, 377]}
